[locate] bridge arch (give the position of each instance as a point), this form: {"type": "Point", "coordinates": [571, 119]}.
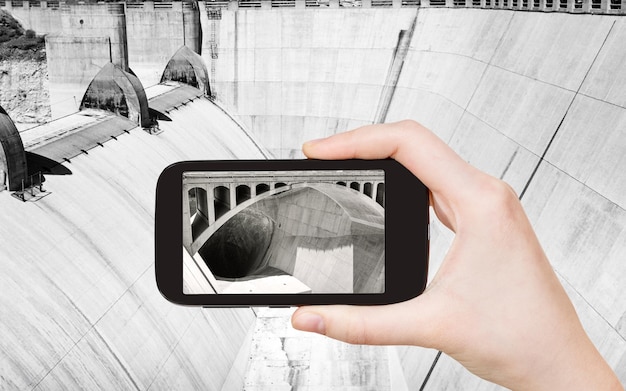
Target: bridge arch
{"type": "Point", "coordinates": [186, 66]}
{"type": "Point", "coordinates": [242, 194]}
{"type": "Point", "coordinates": [119, 92]}
{"type": "Point", "coordinates": [221, 201]}
{"type": "Point", "coordinates": [262, 188]}
{"type": "Point", "coordinates": [367, 189]}
{"type": "Point", "coordinates": [13, 167]}
{"type": "Point", "coordinates": [355, 186]}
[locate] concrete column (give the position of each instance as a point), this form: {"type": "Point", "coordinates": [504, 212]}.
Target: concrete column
{"type": "Point", "coordinates": [177, 6]}
{"type": "Point", "coordinates": [333, 4]}
{"type": "Point", "coordinates": [187, 235]}
{"type": "Point", "coordinates": [148, 6]}
{"type": "Point", "coordinates": [253, 190]}
{"type": "Point", "coordinates": [266, 4]}
{"type": "Point", "coordinates": [397, 3]}
{"type": "Point", "coordinates": [449, 3]}
{"type": "Point", "coordinates": [44, 4]}
{"type": "Point", "coordinates": [210, 199]}
{"type": "Point", "coordinates": [233, 5]}
{"type": "Point", "coordinates": [233, 195]}
{"type": "Point", "coordinates": [366, 4]}
{"type": "Point", "coordinates": [300, 4]}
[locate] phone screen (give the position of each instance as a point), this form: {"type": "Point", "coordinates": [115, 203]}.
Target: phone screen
{"type": "Point", "coordinates": [283, 232]}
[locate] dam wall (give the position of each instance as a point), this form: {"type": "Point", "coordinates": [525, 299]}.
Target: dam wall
{"type": "Point", "coordinates": [545, 113]}
{"type": "Point", "coordinates": [290, 75]}
{"type": "Point", "coordinates": [39, 16]}
{"type": "Point", "coordinates": [90, 37]}
{"type": "Point", "coordinates": [155, 31]}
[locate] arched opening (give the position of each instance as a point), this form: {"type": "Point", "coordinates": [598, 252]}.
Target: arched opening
{"type": "Point", "coordinates": [242, 193]}
{"type": "Point", "coordinates": [198, 202]}
{"type": "Point", "coordinates": [355, 186]}
{"type": "Point", "coordinates": [367, 189]}
{"type": "Point", "coordinates": [340, 183]}
{"type": "Point", "coordinates": [198, 210]}
{"type": "Point", "coordinates": [262, 188]}
{"type": "Point", "coordinates": [380, 194]}
{"type": "Point", "coordinates": [280, 184]}
{"type": "Point", "coordinates": [221, 201]}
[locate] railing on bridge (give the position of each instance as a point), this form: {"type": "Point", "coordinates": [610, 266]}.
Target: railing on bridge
{"type": "Point", "coordinates": [613, 7]}
{"type": "Point", "coordinates": [570, 6]}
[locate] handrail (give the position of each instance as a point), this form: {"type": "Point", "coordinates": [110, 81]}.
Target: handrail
{"type": "Point", "coordinates": [606, 7]}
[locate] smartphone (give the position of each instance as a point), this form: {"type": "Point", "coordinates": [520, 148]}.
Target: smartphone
{"type": "Point", "coordinates": [290, 232]}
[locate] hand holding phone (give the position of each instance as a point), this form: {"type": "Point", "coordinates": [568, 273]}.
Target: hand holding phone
{"type": "Point", "coordinates": [495, 304]}
{"type": "Point", "coordinates": [290, 232]}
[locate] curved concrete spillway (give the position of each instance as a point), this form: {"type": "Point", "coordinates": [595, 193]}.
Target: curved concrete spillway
{"type": "Point", "coordinates": [77, 271]}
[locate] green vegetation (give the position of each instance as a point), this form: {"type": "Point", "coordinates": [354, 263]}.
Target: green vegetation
{"type": "Point", "coordinates": [15, 43]}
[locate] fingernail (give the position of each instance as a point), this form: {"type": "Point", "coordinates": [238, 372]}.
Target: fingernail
{"type": "Point", "coordinates": [310, 322]}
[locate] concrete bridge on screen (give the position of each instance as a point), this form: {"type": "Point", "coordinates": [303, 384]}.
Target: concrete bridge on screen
{"type": "Point", "coordinates": [214, 197]}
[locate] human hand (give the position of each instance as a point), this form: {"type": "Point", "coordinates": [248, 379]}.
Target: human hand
{"type": "Point", "coordinates": [495, 304]}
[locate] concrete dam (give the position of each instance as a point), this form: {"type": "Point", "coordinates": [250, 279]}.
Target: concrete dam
{"type": "Point", "coordinates": [529, 91]}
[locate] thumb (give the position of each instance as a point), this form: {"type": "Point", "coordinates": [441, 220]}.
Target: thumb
{"type": "Point", "coordinates": [407, 323]}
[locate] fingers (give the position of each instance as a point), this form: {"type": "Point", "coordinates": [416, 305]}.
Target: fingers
{"type": "Point", "coordinates": [414, 146]}
{"type": "Point", "coordinates": [395, 324]}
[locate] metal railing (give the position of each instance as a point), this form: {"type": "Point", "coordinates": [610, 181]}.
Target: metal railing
{"type": "Point", "coordinates": [31, 186]}
{"type": "Point", "coordinates": [612, 7]}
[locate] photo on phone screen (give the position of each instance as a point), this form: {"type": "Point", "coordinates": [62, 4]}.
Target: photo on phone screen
{"type": "Point", "coordinates": [283, 232]}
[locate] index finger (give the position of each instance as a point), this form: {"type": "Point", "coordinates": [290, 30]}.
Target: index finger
{"type": "Point", "coordinates": [411, 144]}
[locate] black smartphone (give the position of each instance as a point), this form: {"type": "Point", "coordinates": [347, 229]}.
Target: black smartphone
{"type": "Point", "coordinates": [290, 232]}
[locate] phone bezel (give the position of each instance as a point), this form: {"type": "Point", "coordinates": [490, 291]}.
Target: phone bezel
{"type": "Point", "coordinates": [406, 234]}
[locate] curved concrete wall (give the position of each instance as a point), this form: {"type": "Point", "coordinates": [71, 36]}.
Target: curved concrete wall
{"type": "Point", "coordinates": [78, 280]}
{"type": "Point", "coordinates": [319, 219]}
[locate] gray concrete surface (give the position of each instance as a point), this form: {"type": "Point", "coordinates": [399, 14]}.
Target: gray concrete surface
{"type": "Point", "coordinates": [537, 99]}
